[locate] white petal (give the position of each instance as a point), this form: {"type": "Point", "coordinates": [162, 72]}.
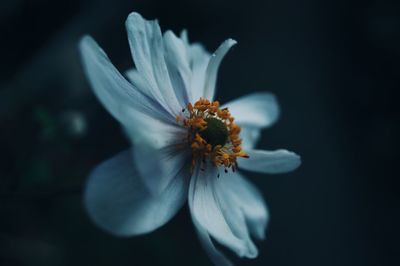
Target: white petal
{"type": "Point", "coordinates": [216, 256]}
{"type": "Point", "coordinates": [243, 196]}
{"type": "Point", "coordinates": [205, 207]}
{"type": "Point", "coordinates": [147, 131]}
{"type": "Point", "coordinates": [117, 200]}
{"type": "Point", "coordinates": [147, 49]}
{"type": "Point", "coordinates": [258, 109]}
{"type": "Point", "coordinates": [270, 162]}
{"type": "Point", "coordinates": [120, 98]}
{"type": "Point", "coordinates": [213, 66]}
{"type": "Point", "coordinates": [198, 62]}
{"type": "Point", "coordinates": [159, 166]}
{"type": "Point", "coordinates": [142, 117]}
{"type": "Point", "coordinates": [231, 207]}
{"type": "Point", "coordinates": [177, 60]}
{"type": "Point", "coordinates": [250, 136]}
{"type": "Point", "coordinates": [138, 82]}
{"type": "Point", "coordinates": [185, 37]}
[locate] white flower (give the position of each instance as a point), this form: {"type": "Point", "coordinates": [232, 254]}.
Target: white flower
{"type": "Point", "coordinates": [185, 146]}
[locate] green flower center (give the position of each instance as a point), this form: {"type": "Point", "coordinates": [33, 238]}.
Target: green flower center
{"type": "Point", "coordinates": [216, 132]}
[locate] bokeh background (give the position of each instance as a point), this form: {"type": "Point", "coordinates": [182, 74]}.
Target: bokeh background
{"type": "Point", "coordinates": [334, 66]}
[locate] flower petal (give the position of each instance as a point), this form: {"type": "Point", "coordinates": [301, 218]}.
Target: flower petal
{"type": "Point", "coordinates": [159, 166]}
{"type": "Point", "coordinates": [177, 60]}
{"type": "Point", "coordinates": [258, 109]}
{"type": "Point", "coordinates": [270, 162]}
{"type": "Point", "coordinates": [147, 131]}
{"type": "Point", "coordinates": [153, 132]}
{"type": "Point", "coordinates": [189, 72]}
{"type": "Point", "coordinates": [208, 215]}
{"type": "Point", "coordinates": [147, 47]}
{"type": "Point", "coordinates": [198, 62]}
{"type": "Point", "coordinates": [213, 66]}
{"type": "Point", "coordinates": [216, 256]}
{"type": "Point", "coordinates": [119, 97]}
{"type": "Point", "coordinates": [117, 200]}
{"type": "Point", "coordinates": [250, 136]}
{"type": "Point", "coordinates": [242, 196]}
{"type": "Point", "coordinates": [231, 208]}
{"type": "Point", "coordinates": [138, 81]}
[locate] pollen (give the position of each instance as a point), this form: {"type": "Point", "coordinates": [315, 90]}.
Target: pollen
{"type": "Point", "coordinates": [213, 135]}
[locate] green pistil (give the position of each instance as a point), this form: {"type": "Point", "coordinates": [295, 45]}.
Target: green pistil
{"type": "Point", "coordinates": [216, 132]}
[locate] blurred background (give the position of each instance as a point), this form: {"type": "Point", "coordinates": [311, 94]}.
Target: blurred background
{"type": "Point", "coordinates": [334, 66]}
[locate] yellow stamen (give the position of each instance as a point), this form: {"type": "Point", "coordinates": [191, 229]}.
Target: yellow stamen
{"type": "Point", "coordinates": [220, 155]}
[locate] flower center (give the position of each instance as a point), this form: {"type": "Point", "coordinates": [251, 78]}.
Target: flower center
{"type": "Point", "coordinates": [212, 135]}
{"type": "Point", "coordinates": [216, 132]}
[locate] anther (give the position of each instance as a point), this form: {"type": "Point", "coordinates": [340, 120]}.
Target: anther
{"type": "Point", "coordinates": [212, 135]}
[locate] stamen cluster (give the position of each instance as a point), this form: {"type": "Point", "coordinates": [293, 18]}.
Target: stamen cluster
{"type": "Point", "coordinates": [223, 154]}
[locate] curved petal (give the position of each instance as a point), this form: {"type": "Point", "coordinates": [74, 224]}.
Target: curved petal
{"type": "Point", "coordinates": [158, 167]}
{"type": "Point", "coordinates": [258, 109]}
{"type": "Point", "coordinates": [213, 66]}
{"type": "Point", "coordinates": [156, 131]}
{"type": "Point", "coordinates": [147, 131]}
{"type": "Point", "coordinates": [250, 136]}
{"type": "Point", "coordinates": [177, 60]}
{"type": "Point", "coordinates": [209, 213]}
{"type": "Point", "coordinates": [147, 47]}
{"type": "Point", "coordinates": [143, 118]}
{"type": "Point", "coordinates": [138, 81]}
{"type": "Point", "coordinates": [242, 196]}
{"type": "Point", "coordinates": [270, 162]}
{"type": "Point", "coordinates": [119, 97]}
{"type": "Point", "coordinates": [198, 62]}
{"type": "Point", "coordinates": [216, 256]}
{"type": "Point", "coordinates": [117, 200]}
{"type": "Point", "coordinates": [234, 215]}
{"type": "Point", "coordinates": [189, 72]}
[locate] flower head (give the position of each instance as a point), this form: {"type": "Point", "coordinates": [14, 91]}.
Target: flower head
{"type": "Point", "coordinates": [186, 146]}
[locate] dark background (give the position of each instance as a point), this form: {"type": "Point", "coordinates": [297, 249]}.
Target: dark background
{"type": "Point", "coordinates": [334, 66]}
